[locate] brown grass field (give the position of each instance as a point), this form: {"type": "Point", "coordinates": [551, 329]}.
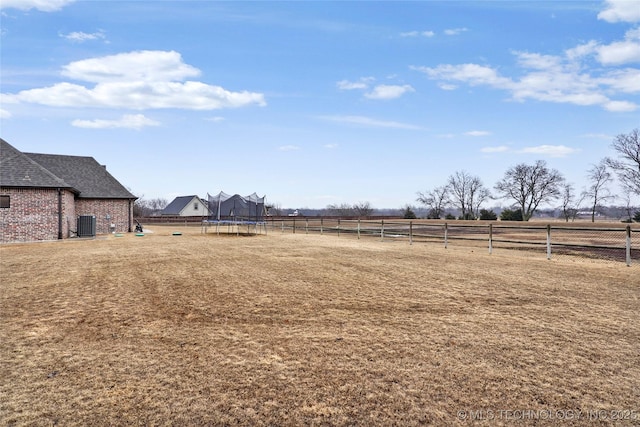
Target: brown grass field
{"type": "Point", "coordinates": [295, 329]}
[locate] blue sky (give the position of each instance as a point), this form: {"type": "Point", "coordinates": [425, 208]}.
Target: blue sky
{"type": "Point", "coordinates": [318, 103]}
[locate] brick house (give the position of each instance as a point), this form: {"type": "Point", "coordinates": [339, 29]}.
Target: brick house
{"type": "Point", "coordinates": [42, 195]}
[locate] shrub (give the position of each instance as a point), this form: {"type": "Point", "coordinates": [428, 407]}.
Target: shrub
{"type": "Point", "coordinates": [433, 214]}
{"type": "Point", "coordinates": [511, 215]}
{"type": "Point", "coordinates": [409, 213]}
{"type": "Point", "coordinates": [488, 215]}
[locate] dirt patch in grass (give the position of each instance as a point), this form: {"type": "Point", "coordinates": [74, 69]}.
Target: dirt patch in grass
{"type": "Point", "coordinates": [284, 329]}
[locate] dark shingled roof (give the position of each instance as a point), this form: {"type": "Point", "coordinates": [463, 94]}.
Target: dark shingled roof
{"type": "Point", "coordinates": [82, 174]}
{"type": "Point", "coordinates": [18, 170]}
{"type": "Point", "coordinates": [176, 206]}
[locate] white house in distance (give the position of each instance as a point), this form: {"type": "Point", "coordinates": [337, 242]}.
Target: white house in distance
{"type": "Point", "coordinates": [186, 206]}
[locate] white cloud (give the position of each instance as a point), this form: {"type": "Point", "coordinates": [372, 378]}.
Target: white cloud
{"type": "Point", "coordinates": [477, 133]}
{"type": "Point", "coordinates": [621, 52]}
{"type": "Point", "coordinates": [537, 61]}
{"type": "Point", "coordinates": [548, 78]}
{"type": "Point", "coordinates": [369, 122]}
{"type": "Point", "coordinates": [616, 53]}
{"type": "Point", "coordinates": [498, 149]}
{"type": "Point", "coordinates": [582, 50]}
{"type": "Point", "coordinates": [388, 91]}
{"type": "Point", "coordinates": [455, 31]}
{"type": "Point", "coordinates": [472, 74]}
{"type": "Point", "coordinates": [288, 148]}
{"type": "Point", "coordinates": [363, 83]}
{"type": "Point", "coordinates": [216, 119]}
{"type": "Point", "coordinates": [620, 11]}
{"type": "Point", "coordinates": [330, 146]}
{"type": "Point", "coordinates": [136, 81]}
{"type": "Point", "coordinates": [447, 86]}
{"type": "Point", "coordinates": [417, 34]}
{"type": "Point", "coordinates": [620, 106]}
{"type": "Point", "coordinates": [550, 150]}
{"type": "Point", "coordinates": [5, 114]}
{"type": "Point", "coordinates": [566, 78]}
{"type": "Point", "coordinates": [79, 36]}
{"type": "Point", "coordinates": [144, 65]}
{"type": "Point", "coordinates": [129, 121]}
{"type": "Point", "coordinates": [378, 92]}
{"type": "Point", "coordinates": [41, 5]}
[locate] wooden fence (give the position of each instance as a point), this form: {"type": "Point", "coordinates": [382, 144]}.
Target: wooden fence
{"type": "Point", "coordinates": [616, 243]}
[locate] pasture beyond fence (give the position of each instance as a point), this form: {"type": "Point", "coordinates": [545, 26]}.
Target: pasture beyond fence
{"type": "Point", "coordinates": [621, 244]}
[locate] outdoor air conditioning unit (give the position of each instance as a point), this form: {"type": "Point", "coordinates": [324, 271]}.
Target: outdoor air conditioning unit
{"type": "Point", "coordinates": [86, 226]}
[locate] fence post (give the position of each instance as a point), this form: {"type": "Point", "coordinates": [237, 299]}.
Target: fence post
{"type": "Point", "coordinates": [321, 224]}
{"type": "Point", "coordinates": [358, 228]}
{"type": "Point", "coordinates": [628, 245]}
{"type": "Point", "coordinates": [445, 235]}
{"type": "Point", "coordinates": [294, 225]}
{"type": "Point", "coordinates": [382, 230]}
{"type": "Point", "coordinates": [338, 227]}
{"type": "Point", "coordinates": [306, 226]}
{"type": "Point", "coordinates": [282, 225]}
{"type": "Point", "coordinates": [548, 241]}
{"type": "Point", "coordinates": [410, 232]}
{"type": "Point", "coordinates": [490, 239]}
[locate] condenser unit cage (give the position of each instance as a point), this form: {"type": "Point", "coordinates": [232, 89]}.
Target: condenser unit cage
{"type": "Point", "coordinates": [86, 226]}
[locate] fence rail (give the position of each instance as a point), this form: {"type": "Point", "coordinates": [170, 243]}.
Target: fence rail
{"type": "Point", "coordinates": [610, 243]}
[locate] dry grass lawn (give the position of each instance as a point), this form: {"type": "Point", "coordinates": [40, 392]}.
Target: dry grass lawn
{"type": "Point", "coordinates": [301, 329]}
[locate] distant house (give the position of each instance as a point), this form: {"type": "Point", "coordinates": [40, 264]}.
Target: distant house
{"type": "Point", "coordinates": [186, 206]}
{"type": "Point", "coordinates": [42, 196]}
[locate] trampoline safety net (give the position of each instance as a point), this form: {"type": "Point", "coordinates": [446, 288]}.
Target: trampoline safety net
{"type": "Point", "coordinates": [224, 207]}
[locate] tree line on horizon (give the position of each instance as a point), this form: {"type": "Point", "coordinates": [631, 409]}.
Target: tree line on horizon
{"type": "Point", "coordinates": [529, 186]}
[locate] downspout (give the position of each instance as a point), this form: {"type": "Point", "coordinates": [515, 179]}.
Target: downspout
{"type": "Point", "coordinates": [130, 215]}
{"type": "Point", "coordinates": [59, 214]}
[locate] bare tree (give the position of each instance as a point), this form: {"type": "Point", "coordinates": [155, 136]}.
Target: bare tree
{"type": "Point", "coordinates": [158, 204]}
{"type": "Point", "coordinates": [483, 194]}
{"type": "Point", "coordinates": [343, 209]}
{"type": "Point", "coordinates": [466, 190]}
{"type": "Point", "coordinates": [435, 200]}
{"type": "Point", "coordinates": [274, 209]}
{"type": "Point", "coordinates": [628, 205]}
{"type": "Point", "coordinates": [570, 202]}
{"type": "Point", "coordinates": [599, 177]}
{"type": "Point", "coordinates": [628, 166]}
{"type": "Point", "coordinates": [148, 207]}
{"type": "Point", "coordinates": [363, 209]}
{"type": "Point", "coordinates": [530, 185]}
{"type": "Point", "coordinates": [140, 207]}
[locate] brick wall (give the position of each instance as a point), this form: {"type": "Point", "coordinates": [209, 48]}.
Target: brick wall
{"type": "Point", "coordinates": [107, 212]}
{"type": "Point", "coordinates": [33, 215]}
